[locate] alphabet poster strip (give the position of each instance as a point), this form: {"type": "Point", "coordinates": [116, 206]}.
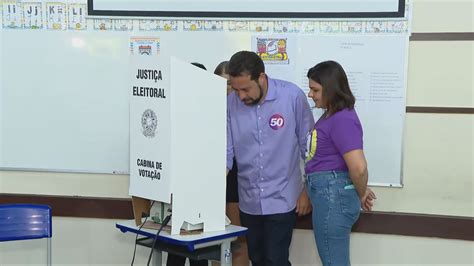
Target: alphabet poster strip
{"type": "Point", "coordinates": [77, 17]}
{"type": "Point", "coordinates": [56, 16]}
{"type": "Point", "coordinates": [12, 15]}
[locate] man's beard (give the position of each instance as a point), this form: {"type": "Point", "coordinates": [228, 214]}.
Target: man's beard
{"type": "Point", "coordinates": [256, 101]}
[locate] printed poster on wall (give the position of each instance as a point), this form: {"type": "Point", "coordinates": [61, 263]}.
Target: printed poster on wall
{"type": "Point", "coordinates": [12, 15]}
{"type": "Point", "coordinates": [278, 53]}
{"type": "Point", "coordinates": [103, 24]}
{"type": "Point", "coordinates": [33, 15]}
{"type": "Point", "coordinates": [144, 46]}
{"type": "Point", "coordinates": [123, 24]}
{"type": "Point", "coordinates": [77, 17]}
{"type": "Point", "coordinates": [56, 15]}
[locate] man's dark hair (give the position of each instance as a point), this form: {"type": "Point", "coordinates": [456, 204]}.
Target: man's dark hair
{"type": "Point", "coordinates": [337, 94]}
{"type": "Point", "coordinates": [246, 63]}
{"type": "Point", "coordinates": [199, 65]}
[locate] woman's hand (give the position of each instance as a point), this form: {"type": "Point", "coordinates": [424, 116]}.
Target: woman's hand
{"type": "Point", "coordinates": [367, 201]}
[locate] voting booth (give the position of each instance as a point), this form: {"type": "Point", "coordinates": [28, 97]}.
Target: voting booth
{"type": "Point", "coordinates": [178, 139]}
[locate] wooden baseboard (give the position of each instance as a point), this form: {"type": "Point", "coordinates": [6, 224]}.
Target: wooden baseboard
{"type": "Point", "coordinates": [449, 227]}
{"type": "Point", "coordinates": [439, 110]}
{"type": "Point", "coordinates": [70, 206]}
{"type": "Point", "coordinates": [442, 36]}
{"type": "Point", "coordinates": [409, 224]}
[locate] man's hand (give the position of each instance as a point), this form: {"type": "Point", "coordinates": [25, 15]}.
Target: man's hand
{"type": "Point", "coordinates": [367, 201]}
{"type": "Point", "coordinates": [303, 205]}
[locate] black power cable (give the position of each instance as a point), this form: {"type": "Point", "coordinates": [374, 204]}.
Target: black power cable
{"type": "Point", "coordinates": [136, 237]}
{"type": "Point", "coordinates": [163, 224]}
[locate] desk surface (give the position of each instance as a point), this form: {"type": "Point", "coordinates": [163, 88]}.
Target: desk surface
{"type": "Point", "coordinates": [191, 241]}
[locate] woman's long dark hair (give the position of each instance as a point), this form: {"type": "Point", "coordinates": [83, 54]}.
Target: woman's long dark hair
{"type": "Point", "coordinates": [337, 94]}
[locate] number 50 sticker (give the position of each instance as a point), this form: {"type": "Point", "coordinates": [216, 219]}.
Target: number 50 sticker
{"type": "Point", "coordinates": [276, 121]}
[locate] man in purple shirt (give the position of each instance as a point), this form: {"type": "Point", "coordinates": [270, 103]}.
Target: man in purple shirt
{"type": "Point", "coordinates": [267, 123]}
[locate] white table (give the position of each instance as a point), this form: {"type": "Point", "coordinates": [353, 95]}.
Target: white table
{"type": "Point", "coordinates": [193, 243]}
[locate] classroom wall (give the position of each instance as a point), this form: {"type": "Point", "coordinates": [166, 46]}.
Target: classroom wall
{"type": "Point", "coordinates": [438, 148]}
{"type": "Point", "coordinates": [69, 248]}
{"type": "Point", "coordinates": [440, 74]}
{"type": "Point", "coordinates": [437, 167]}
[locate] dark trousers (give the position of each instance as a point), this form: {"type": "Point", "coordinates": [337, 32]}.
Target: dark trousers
{"type": "Point", "coordinates": [176, 260]}
{"type": "Point", "coordinates": [269, 237]}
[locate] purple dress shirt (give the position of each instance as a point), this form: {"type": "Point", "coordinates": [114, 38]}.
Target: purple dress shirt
{"type": "Point", "coordinates": [268, 141]}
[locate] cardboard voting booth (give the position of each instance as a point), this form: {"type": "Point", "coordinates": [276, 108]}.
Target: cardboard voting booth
{"type": "Point", "coordinates": [178, 139]}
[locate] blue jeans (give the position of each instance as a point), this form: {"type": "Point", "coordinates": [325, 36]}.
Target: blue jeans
{"type": "Point", "coordinates": [336, 207]}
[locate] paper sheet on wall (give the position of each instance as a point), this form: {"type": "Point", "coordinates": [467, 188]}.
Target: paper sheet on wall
{"type": "Point", "coordinates": [376, 69]}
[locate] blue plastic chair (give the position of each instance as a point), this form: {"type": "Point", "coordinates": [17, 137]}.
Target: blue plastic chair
{"type": "Point", "coordinates": [26, 221]}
